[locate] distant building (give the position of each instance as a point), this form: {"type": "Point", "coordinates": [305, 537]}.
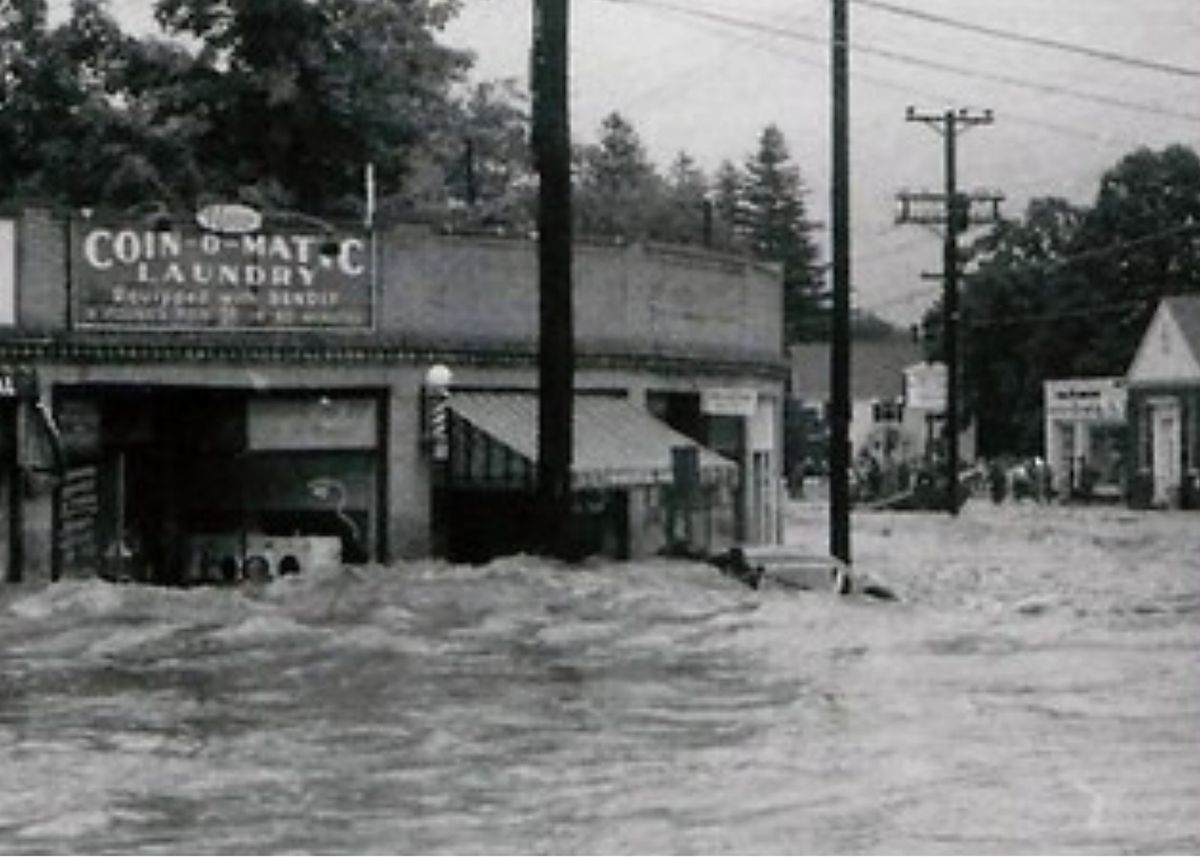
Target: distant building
{"type": "Point", "coordinates": [1164, 408]}
{"type": "Point", "coordinates": [897, 407]}
{"type": "Point", "coordinates": [1086, 436]}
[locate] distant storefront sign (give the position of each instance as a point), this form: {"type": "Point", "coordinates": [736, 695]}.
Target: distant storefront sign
{"type": "Point", "coordinates": [925, 387]}
{"type": "Point", "coordinates": [132, 276]}
{"type": "Point", "coordinates": [728, 402]}
{"type": "Point", "coordinates": [1086, 399]}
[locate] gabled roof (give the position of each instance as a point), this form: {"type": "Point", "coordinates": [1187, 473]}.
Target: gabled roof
{"type": "Point", "coordinates": [876, 368]}
{"type": "Point", "coordinates": [1170, 348]}
{"type": "Point", "coordinates": [1186, 310]}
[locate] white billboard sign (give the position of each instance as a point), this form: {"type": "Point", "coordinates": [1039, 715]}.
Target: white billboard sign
{"type": "Point", "coordinates": [1086, 399]}
{"type": "Point", "coordinates": [925, 387]}
{"type": "Point", "coordinates": [728, 402]}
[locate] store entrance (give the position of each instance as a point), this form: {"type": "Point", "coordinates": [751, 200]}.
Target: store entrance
{"type": "Point", "coordinates": [217, 486]}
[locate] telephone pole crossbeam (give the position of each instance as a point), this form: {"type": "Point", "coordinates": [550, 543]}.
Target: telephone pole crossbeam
{"type": "Point", "coordinates": [954, 214]}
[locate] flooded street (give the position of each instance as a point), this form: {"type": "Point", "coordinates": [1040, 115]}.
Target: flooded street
{"type": "Point", "coordinates": [1037, 690]}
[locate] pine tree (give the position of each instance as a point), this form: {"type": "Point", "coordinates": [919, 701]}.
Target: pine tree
{"type": "Point", "coordinates": [618, 186]}
{"type": "Point", "coordinates": [679, 217]}
{"type": "Point", "coordinates": [774, 220]}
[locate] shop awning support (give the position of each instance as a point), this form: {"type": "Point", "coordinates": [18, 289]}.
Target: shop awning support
{"type": "Point", "coordinates": [46, 418]}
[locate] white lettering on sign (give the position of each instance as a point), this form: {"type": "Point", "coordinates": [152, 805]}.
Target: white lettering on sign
{"type": "Point", "coordinates": [102, 248]}
{"type": "Point", "coordinates": [127, 275]}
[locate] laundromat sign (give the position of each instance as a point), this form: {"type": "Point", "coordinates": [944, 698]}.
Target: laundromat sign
{"type": "Point", "coordinates": [188, 277]}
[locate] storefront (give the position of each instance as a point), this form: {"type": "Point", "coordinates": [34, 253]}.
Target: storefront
{"type": "Point", "coordinates": [1086, 437]}
{"type": "Point", "coordinates": [174, 484]}
{"type": "Point", "coordinates": [214, 404]}
{"type": "Point", "coordinates": [630, 473]}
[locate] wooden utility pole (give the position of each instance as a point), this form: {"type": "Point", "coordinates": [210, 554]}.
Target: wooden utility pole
{"type": "Point", "coordinates": [839, 453]}
{"type": "Point", "coordinates": [556, 339]}
{"type": "Point", "coordinates": [954, 217]}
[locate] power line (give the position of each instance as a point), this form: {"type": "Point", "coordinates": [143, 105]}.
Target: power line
{"type": "Point", "coordinates": [1088, 311]}
{"type": "Point", "coordinates": [1055, 265]}
{"type": "Point", "coordinates": [1108, 250]}
{"type": "Point", "coordinates": [1040, 41]}
{"type": "Point", "coordinates": [763, 44]}
{"type": "Point", "coordinates": [923, 62]}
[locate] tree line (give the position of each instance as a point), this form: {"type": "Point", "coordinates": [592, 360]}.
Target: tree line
{"type": "Point", "coordinates": [1067, 291]}
{"type": "Point", "coordinates": [282, 104]}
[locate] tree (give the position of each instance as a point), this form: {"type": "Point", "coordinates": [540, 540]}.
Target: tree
{"type": "Point", "coordinates": [683, 214]}
{"type": "Point", "coordinates": [1069, 291]}
{"type": "Point", "coordinates": [277, 102]}
{"type": "Point", "coordinates": [727, 206]}
{"type": "Point", "coordinates": [617, 186]}
{"type": "Point", "coordinates": [486, 159]}
{"type": "Point", "coordinates": [1139, 241]}
{"type": "Point", "coordinates": [64, 133]}
{"type": "Point", "coordinates": [1006, 347]}
{"type": "Point", "coordinates": [773, 216]}
{"type": "Point", "coordinates": [299, 95]}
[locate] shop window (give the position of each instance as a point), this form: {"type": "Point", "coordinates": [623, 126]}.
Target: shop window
{"type": "Point", "coordinates": [887, 411]}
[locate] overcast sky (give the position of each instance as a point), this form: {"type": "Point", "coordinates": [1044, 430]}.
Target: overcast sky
{"type": "Point", "coordinates": [706, 76]}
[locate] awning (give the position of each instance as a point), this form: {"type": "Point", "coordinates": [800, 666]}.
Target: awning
{"type": "Point", "coordinates": [615, 444]}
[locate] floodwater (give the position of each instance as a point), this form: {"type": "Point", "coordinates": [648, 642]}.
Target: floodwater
{"type": "Point", "coordinates": [1036, 691]}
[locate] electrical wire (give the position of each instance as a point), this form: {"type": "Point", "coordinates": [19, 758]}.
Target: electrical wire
{"type": "Point", "coordinates": [923, 62]}
{"type": "Point", "coordinates": [1084, 312]}
{"type": "Point", "coordinates": [1039, 41]}
{"type": "Point", "coordinates": [1058, 264]}
{"type": "Point", "coordinates": [1110, 249]}
{"type": "Point", "coordinates": [765, 45]}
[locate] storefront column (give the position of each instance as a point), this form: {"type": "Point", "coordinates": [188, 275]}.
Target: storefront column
{"type": "Point", "coordinates": [1083, 453]}
{"type": "Point", "coordinates": [14, 519]}
{"type": "Point", "coordinates": [409, 488]}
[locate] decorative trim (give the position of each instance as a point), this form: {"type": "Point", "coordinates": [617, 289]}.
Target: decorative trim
{"type": "Point", "coordinates": [354, 351]}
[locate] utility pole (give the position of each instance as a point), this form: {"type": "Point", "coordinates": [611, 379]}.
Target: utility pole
{"type": "Point", "coordinates": [556, 340]}
{"type": "Point", "coordinates": [954, 217]}
{"type": "Point", "coordinates": [839, 453]}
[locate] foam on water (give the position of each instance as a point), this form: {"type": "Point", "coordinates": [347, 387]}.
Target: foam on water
{"type": "Point", "coordinates": [1036, 690]}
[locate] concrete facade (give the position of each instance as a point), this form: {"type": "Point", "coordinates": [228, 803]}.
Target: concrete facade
{"type": "Point", "coordinates": [298, 400]}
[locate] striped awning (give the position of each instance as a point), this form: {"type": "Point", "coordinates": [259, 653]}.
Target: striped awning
{"type": "Point", "coordinates": [615, 444]}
